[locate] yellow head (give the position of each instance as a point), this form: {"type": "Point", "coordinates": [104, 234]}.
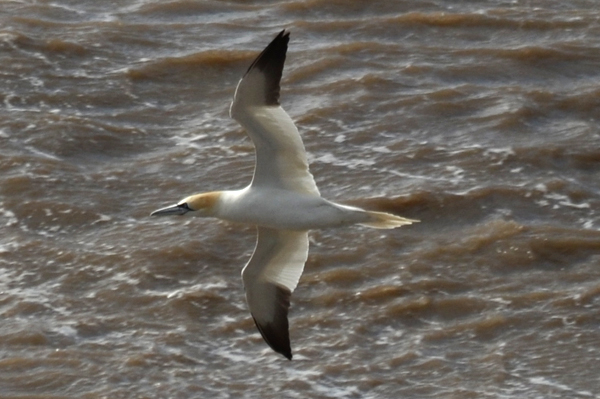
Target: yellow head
{"type": "Point", "coordinates": [204, 204]}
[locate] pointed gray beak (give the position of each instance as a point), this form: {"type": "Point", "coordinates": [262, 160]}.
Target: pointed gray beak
{"type": "Point", "coordinates": [178, 209]}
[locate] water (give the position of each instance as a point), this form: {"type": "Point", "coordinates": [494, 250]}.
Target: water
{"type": "Point", "coordinates": [479, 118]}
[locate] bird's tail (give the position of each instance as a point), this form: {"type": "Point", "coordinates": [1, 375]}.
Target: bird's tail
{"type": "Point", "coordinates": [382, 220]}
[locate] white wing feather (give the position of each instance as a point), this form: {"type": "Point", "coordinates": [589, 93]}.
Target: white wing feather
{"type": "Point", "coordinates": [280, 156]}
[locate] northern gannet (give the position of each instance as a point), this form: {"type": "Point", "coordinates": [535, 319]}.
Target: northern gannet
{"type": "Point", "coordinates": [282, 200]}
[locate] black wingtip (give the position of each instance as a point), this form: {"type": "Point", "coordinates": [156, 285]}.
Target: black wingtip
{"type": "Point", "coordinates": [270, 62]}
{"type": "Point", "coordinates": [276, 338]}
{"type": "Point", "coordinates": [278, 43]}
{"type": "Point", "coordinates": [276, 332]}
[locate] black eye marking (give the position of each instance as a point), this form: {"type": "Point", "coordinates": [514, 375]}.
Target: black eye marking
{"type": "Point", "coordinates": [184, 206]}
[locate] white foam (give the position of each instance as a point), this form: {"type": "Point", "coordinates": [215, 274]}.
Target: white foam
{"type": "Point", "coordinates": [562, 387]}
{"type": "Point", "coordinates": [9, 217]}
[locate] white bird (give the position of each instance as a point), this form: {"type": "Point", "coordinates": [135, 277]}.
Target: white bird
{"type": "Point", "coordinates": [282, 200]}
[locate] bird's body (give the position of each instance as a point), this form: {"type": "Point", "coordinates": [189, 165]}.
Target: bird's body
{"type": "Point", "coordinates": [283, 209]}
{"type": "Point", "coordinates": [282, 200]}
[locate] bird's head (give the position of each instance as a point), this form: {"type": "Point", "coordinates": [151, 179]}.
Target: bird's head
{"type": "Point", "coordinates": [201, 204]}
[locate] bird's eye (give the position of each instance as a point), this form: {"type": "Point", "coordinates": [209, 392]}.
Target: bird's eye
{"type": "Point", "coordinates": [184, 206]}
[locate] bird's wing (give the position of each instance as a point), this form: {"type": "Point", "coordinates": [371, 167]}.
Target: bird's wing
{"type": "Point", "coordinates": [280, 155]}
{"type": "Point", "coordinates": [270, 277]}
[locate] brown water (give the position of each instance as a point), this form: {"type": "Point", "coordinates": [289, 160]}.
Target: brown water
{"type": "Point", "coordinates": [480, 118]}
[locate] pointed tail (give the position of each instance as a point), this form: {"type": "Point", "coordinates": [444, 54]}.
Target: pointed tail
{"type": "Point", "coordinates": [382, 220]}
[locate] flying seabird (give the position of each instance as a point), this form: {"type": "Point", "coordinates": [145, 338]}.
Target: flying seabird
{"type": "Point", "coordinates": [282, 201]}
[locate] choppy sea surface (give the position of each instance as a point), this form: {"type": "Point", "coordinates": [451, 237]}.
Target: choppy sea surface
{"type": "Point", "coordinates": [480, 118]}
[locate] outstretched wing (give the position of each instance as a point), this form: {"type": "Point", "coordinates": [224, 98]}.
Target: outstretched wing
{"type": "Point", "coordinates": [269, 278]}
{"type": "Point", "coordinates": [280, 155]}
